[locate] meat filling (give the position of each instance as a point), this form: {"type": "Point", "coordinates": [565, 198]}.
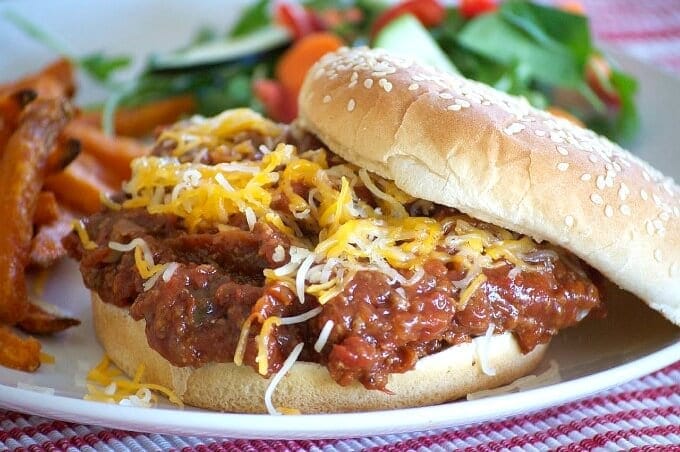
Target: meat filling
{"type": "Point", "coordinates": [379, 327]}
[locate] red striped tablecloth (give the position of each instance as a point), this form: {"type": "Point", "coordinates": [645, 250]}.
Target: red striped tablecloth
{"type": "Point", "coordinates": [643, 414]}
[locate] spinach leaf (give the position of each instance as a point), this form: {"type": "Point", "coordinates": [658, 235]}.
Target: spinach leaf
{"type": "Point", "coordinates": [495, 38]}
{"type": "Point", "coordinates": [101, 67]}
{"type": "Point", "coordinates": [253, 18]}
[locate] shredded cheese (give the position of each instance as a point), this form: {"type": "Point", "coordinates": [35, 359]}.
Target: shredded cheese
{"type": "Point", "coordinates": [88, 244]}
{"type": "Point", "coordinates": [107, 384]}
{"type": "Point", "coordinates": [276, 379]}
{"type": "Point", "coordinates": [324, 335]}
{"type": "Point", "coordinates": [482, 350]}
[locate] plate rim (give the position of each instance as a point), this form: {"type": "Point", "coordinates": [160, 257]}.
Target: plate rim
{"type": "Point", "coordinates": [307, 426]}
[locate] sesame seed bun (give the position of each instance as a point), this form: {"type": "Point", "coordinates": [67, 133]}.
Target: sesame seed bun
{"type": "Point", "coordinates": [438, 378]}
{"type": "Point", "coordinates": [463, 144]}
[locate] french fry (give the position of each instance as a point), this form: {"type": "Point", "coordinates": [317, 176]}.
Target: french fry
{"type": "Point", "coordinates": [80, 184]}
{"type": "Point", "coordinates": [46, 209]}
{"type": "Point", "coordinates": [40, 321]}
{"type": "Point", "coordinates": [59, 72]}
{"type": "Point", "coordinates": [115, 153]}
{"type": "Point", "coordinates": [22, 168]}
{"type": "Point", "coordinates": [142, 120]}
{"type": "Point", "coordinates": [46, 247]}
{"type": "Point", "coordinates": [18, 353]}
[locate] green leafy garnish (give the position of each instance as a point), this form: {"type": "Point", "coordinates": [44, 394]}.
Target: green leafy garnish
{"type": "Point", "coordinates": [253, 18]}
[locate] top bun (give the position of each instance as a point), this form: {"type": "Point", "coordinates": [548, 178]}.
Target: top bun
{"type": "Point", "coordinates": [463, 144]}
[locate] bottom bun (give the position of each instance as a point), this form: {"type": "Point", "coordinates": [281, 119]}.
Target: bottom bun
{"type": "Point", "coordinates": [447, 375]}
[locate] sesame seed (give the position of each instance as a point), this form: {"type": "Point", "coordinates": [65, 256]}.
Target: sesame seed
{"type": "Point", "coordinates": [623, 191]}
{"type": "Point", "coordinates": [539, 133]}
{"type": "Point", "coordinates": [562, 150]}
{"type": "Point", "coordinates": [352, 84]}
{"type": "Point", "coordinates": [617, 167]}
{"type": "Point", "coordinates": [609, 211]}
{"type": "Point", "coordinates": [355, 76]}
{"type": "Point", "coordinates": [368, 83]}
{"type": "Point", "coordinates": [625, 209]}
{"type": "Point", "coordinates": [563, 166]}
{"type": "Point", "coordinates": [664, 216]}
{"type": "Point", "coordinates": [514, 128]}
{"type": "Point", "coordinates": [645, 174]}
{"type": "Point", "coordinates": [658, 225]}
{"type": "Point", "coordinates": [585, 177]}
{"type": "Point", "coordinates": [569, 220]}
{"type": "Point", "coordinates": [463, 103]}
{"type": "Point", "coordinates": [600, 182]}
{"type": "Point", "coordinates": [656, 199]}
{"type": "Point", "coordinates": [658, 256]}
{"type": "Point", "coordinates": [674, 269]}
{"type": "Point", "coordinates": [446, 95]}
{"type": "Point", "coordinates": [592, 158]}
{"type": "Point", "coordinates": [596, 199]}
{"type": "Point", "coordinates": [379, 73]}
{"type": "Point", "coordinates": [413, 86]}
{"type": "Point", "coordinates": [643, 195]}
{"type": "Point", "coordinates": [676, 211]}
{"type": "Point", "coordinates": [486, 103]}
{"type": "Point", "coordinates": [454, 107]}
{"type": "Point", "coordinates": [351, 104]}
{"type": "Point", "coordinates": [327, 99]}
{"type": "Point", "coordinates": [649, 227]}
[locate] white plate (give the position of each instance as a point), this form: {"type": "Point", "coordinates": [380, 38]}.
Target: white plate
{"type": "Point", "coordinates": [631, 342]}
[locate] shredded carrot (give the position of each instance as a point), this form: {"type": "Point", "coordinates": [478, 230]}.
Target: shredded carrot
{"type": "Point", "coordinates": [142, 120]}
{"type": "Point", "coordinates": [299, 58]}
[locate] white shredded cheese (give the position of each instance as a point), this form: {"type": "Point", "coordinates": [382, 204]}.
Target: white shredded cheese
{"type": "Point", "coordinates": [302, 275]}
{"type": "Point", "coordinates": [276, 379]}
{"type": "Point", "coordinates": [323, 336]}
{"type": "Point", "coordinates": [35, 388]}
{"type": "Point", "coordinates": [170, 270]}
{"type": "Point", "coordinates": [149, 283]}
{"type": "Point", "coordinates": [250, 217]}
{"type": "Point", "coordinates": [138, 242]}
{"type": "Point", "coordinates": [279, 254]}
{"type": "Point", "coordinates": [482, 350]}
{"type": "Point", "coordinates": [548, 377]}
{"type": "Point", "coordinates": [301, 317]}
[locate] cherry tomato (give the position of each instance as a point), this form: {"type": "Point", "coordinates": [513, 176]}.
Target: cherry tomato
{"type": "Point", "coordinates": [297, 19]}
{"type": "Point", "coordinates": [598, 77]}
{"type": "Point", "coordinates": [473, 8]}
{"type": "Point", "coordinates": [278, 103]}
{"type": "Point", "coordinates": [428, 12]}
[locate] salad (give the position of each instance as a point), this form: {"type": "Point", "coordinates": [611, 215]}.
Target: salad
{"type": "Point", "coordinates": [543, 53]}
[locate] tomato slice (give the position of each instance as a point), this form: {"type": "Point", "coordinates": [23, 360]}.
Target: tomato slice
{"type": "Point", "coordinates": [473, 8]}
{"type": "Point", "coordinates": [428, 12]}
{"type": "Point", "coordinates": [297, 19]}
{"type": "Point", "coordinates": [278, 103]}
{"type": "Point", "coordinates": [598, 77]}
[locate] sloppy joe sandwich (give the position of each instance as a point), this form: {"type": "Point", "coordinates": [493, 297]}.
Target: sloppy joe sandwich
{"type": "Point", "coordinates": [413, 237]}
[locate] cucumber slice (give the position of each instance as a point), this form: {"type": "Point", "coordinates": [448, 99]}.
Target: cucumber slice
{"type": "Point", "coordinates": [405, 35]}
{"type": "Point", "coordinates": [222, 51]}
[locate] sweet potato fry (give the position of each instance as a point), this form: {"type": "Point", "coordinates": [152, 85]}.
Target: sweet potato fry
{"type": "Point", "coordinates": [60, 72]}
{"type": "Point", "coordinates": [115, 153]}
{"type": "Point", "coordinates": [66, 151]}
{"type": "Point", "coordinates": [142, 120]}
{"type": "Point", "coordinates": [18, 353]}
{"type": "Point", "coordinates": [80, 184]}
{"type": "Point", "coordinates": [46, 209]}
{"type": "Point", "coordinates": [21, 170]}
{"type": "Point", "coordinates": [11, 105]}
{"type": "Point", "coordinates": [46, 247]}
{"type": "Point", "coordinates": [40, 321]}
